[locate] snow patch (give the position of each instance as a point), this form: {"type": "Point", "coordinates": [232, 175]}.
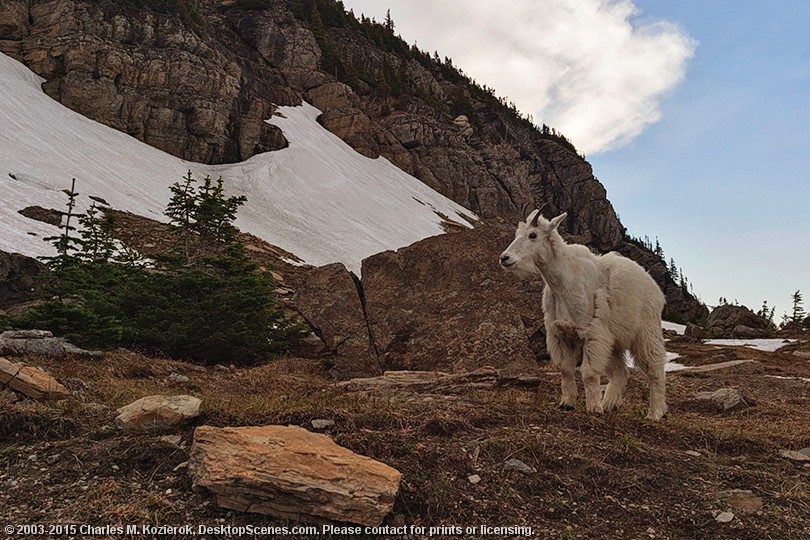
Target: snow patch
{"type": "Point", "coordinates": [763, 344]}
{"type": "Point", "coordinates": [317, 198]}
{"type": "Point", "coordinates": [678, 328]}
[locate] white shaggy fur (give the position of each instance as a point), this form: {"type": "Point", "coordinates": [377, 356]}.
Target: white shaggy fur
{"type": "Point", "coordinates": [595, 308]}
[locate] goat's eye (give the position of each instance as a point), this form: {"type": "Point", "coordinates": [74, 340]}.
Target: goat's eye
{"type": "Point", "coordinates": [533, 235]}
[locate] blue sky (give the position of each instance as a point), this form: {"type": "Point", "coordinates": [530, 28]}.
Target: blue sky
{"type": "Point", "coordinates": [695, 116]}
{"type": "Point", "coordinates": [722, 178]}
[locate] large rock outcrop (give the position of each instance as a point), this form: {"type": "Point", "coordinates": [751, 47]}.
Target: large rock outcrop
{"type": "Point", "coordinates": [445, 304]}
{"type": "Point", "coordinates": [440, 304]}
{"type": "Point", "coordinates": [331, 302]}
{"type": "Point", "coordinates": [729, 321]}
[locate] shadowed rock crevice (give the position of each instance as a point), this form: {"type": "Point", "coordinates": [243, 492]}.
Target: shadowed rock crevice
{"type": "Point", "coordinates": [329, 300]}
{"type": "Point", "coordinates": [362, 297]}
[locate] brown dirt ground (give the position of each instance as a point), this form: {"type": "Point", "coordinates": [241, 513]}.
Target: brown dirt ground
{"type": "Point", "coordinates": [613, 476]}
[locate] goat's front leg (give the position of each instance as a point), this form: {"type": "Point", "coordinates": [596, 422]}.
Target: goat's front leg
{"type": "Point", "coordinates": [595, 357]}
{"type": "Point", "coordinates": [566, 359]}
{"type": "Point", "coordinates": [568, 385]}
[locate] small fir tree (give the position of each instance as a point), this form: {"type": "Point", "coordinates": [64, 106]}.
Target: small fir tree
{"type": "Point", "coordinates": [798, 314]}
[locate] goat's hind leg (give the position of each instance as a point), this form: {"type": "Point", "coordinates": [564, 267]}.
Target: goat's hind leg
{"type": "Point", "coordinates": [617, 374]}
{"type": "Point", "coordinates": [650, 356]}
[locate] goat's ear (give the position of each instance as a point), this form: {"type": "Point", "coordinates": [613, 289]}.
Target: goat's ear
{"type": "Point", "coordinates": [555, 222]}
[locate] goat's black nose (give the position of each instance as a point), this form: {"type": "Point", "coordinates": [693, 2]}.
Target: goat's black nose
{"type": "Point", "coordinates": [504, 259]}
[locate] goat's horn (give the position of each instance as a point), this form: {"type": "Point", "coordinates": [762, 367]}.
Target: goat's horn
{"type": "Point", "coordinates": [537, 215]}
{"type": "Point", "coordinates": [523, 210]}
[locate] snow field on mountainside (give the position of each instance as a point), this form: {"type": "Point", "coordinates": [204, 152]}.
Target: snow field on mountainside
{"type": "Point", "coordinates": [318, 198]}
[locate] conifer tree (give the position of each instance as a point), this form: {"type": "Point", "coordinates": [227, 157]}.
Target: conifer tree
{"type": "Point", "coordinates": [209, 304]}
{"type": "Point", "coordinates": [66, 244]}
{"type": "Point", "coordinates": [659, 252]}
{"type": "Point", "coordinates": [798, 314]}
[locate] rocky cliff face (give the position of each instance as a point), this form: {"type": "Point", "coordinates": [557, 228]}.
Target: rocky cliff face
{"type": "Point", "coordinates": [163, 80]}
{"type": "Point", "coordinates": [199, 85]}
{"type": "Point", "coordinates": [197, 79]}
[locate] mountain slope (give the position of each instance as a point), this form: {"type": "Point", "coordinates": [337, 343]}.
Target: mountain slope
{"type": "Point", "coordinates": [198, 78]}
{"type": "Point", "coordinates": [317, 198]}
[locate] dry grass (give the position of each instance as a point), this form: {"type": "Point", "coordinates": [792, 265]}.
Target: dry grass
{"type": "Point", "coordinates": [595, 476]}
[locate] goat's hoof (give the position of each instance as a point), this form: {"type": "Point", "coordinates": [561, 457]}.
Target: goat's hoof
{"type": "Point", "coordinates": [610, 407]}
{"type": "Point", "coordinates": [655, 417]}
{"type": "Point", "coordinates": [567, 407]}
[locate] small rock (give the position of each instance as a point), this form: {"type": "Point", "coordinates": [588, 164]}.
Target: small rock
{"type": "Point", "coordinates": [172, 439]}
{"type": "Point", "coordinates": [31, 381]}
{"type": "Point", "coordinates": [322, 423]}
{"type": "Point", "coordinates": [802, 354]}
{"type": "Point", "coordinates": [99, 200]}
{"type": "Point", "coordinates": [517, 465]}
{"type": "Point", "coordinates": [693, 453]}
{"type": "Point", "coordinates": [741, 499]}
{"type": "Point", "coordinates": [157, 413]}
{"type": "Point", "coordinates": [220, 367]}
{"type": "Point", "coordinates": [178, 378]}
{"type": "Point", "coordinates": [474, 479]}
{"type": "Point", "coordinates": [729, 399]}
{"type": "Point", "coordinates": [794, 455]}
{"type": "Point", "coordinates": [115, 467]}
{"type": "Point", "coordinates": [724, 517]}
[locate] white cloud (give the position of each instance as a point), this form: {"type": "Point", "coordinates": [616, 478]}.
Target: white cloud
{"type": "Point", "coordinates": [586, 67]}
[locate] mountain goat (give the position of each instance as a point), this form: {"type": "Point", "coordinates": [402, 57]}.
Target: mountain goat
{"type": "Point", "coordinates": [595, 308]}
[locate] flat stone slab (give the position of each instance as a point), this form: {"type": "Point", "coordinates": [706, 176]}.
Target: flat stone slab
{"type": "Point", "coordinates": [39, 343]}
{"type": "Point", "coordinates": [800, 455]}
{"type": "Point", "coordinates": [31, 381]}
{"type": "Point", "coordinates": [157, 413]}
{"type": "Point", "coordinates": [424, 381]}
{"type": "Point", "coordinates": [291, 473]}
{"type": "Point", "coordinates": [729, 399]}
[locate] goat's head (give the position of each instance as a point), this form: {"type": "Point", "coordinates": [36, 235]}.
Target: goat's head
{"type": "Point", "coordinates": [532, 246]}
